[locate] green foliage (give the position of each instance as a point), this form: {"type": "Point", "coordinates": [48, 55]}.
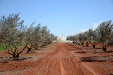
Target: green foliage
{"type": "Point", "coordinates": [1, 48]}
{"type": "Point", "coordinates": [92, 41]}
{"type": "Point", "coordinates": [14, 34]}
{"type": "Point", "coordinates": [103, 33]}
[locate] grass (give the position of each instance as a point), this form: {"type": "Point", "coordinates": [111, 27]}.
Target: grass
{"type": "Point", "coordinates": [1, 48]}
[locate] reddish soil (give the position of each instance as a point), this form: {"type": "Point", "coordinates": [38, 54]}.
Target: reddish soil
{"type": "Point", "coordinates": [59, 59]}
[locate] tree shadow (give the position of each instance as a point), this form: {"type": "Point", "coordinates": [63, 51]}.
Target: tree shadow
{"type": "Point", "coordinates": [88, 48]}
{"type": "Point", "coordinates": [72, 49]}
{"type": "Point", "coordinates": [96, 51]}
{"type": "Point", "coordinates": [11, 59]}
{"type": "Point", "coordinates": [4, 62]}
{"type": "Point", "coordinates": [97, 58]}
{"type": "Point", "coordinates": [108, 51]}
{"type": "Point", "coordinates": [23, 58]}
{"type": "Point", "coordinates": [37, 49]}
{"type": "Point", "coordinates": [44, 47]}
{"type": "Point", "coordinates": [98, 48]}
{"type": "Point", "coordinates": [85, 46]}
{"type": "Point", "coordinates": [1, 57]}
{"type": "Point", "coordinates": [80, 52]}
{"type": "Point", "coordinates": [90, 59]}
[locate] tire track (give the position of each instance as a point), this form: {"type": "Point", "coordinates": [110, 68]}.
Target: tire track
{"type": "Point", "coordinates": [61, 62]}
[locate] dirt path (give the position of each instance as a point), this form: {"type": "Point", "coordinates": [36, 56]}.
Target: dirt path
{"type": "Point", "coordinates": [60, 62]}
{"type": "Point", "coordinates": [59, 59]}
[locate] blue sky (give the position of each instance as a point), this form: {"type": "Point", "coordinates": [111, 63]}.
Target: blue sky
{"type": "Point", "coordinates": [63, 17]}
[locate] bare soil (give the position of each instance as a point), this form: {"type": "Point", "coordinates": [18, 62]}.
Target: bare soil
{"type": "Point", "coordinates": [59, 59]}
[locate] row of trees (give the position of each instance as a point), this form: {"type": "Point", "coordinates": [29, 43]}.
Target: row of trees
{"type": "Point", "coordinates": [15, 37]}
{"type": "Point", "coordinates": [102, 34]}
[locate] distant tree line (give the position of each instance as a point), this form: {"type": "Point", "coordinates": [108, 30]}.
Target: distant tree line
{"type": "Point", "coordinates": [102, 34]}
{"type": "Point", "coordinates": [15, 37]}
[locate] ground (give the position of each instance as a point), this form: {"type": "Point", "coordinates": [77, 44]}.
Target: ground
{"type": "Point", "coordinates": [59, 59]}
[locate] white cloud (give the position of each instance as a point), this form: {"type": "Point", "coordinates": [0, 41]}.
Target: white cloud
{"type": "Point", "coordinates": [96, 24]}
{"type": "Point", "coordinates": [83, 30]}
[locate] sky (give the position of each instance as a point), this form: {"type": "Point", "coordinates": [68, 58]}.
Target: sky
{"type": "Point", "coordinates": [62, 17]}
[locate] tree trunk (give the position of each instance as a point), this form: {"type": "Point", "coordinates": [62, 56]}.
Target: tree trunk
{"type": "Point", "coordinates": [29, 49]}
{"type": "Point", "coordinates": [36, 48]}
{"type": "Point", "coordinates": [93, 46]}
{"type": "Point", "coordinates": [82, 43]}
{"type": "Point", "coordinates": [78, 43]}
{"type": "Point", "coordinates": [104, 48]}
{"type": "Point", "coordinates": [87, 44]}
{"type": "Point", "coordinates": [15, 55]}
{"type": "Point", "coordinates": [49, 43]}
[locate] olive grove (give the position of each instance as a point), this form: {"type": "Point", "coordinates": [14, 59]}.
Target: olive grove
{"type": "Point", "coordinates": [102, 34]}
{"type": "Point", "coordinates": [15, 37]}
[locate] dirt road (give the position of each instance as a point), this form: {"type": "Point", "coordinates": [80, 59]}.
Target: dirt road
{"type": "Point", "coordinates": [59, 59]}
{"type": "Point", "coordinates": [62, 62]}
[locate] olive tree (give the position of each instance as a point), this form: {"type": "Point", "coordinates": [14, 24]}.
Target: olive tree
{"type": "Point", "coordinates": [111, 41]}
{"type": "Point", "coordinates": [37, 36]}
{"type": "Point", "coordinates": [72, 38]}
{"type": "Point", "coordinates": [12, 34]}
{"type": "Point", "coordinates": [102, 34]}
{"type": "Point", "coordinates": [92, 37]}
{"type": "Point", "coordinates": [29, 37]}
{"type": "Point", "coordinates": [45, 35]}
{"type": "Point", "coordinates": [105, 33]}
{"type": "Point", "coordinates": [52, 37]}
